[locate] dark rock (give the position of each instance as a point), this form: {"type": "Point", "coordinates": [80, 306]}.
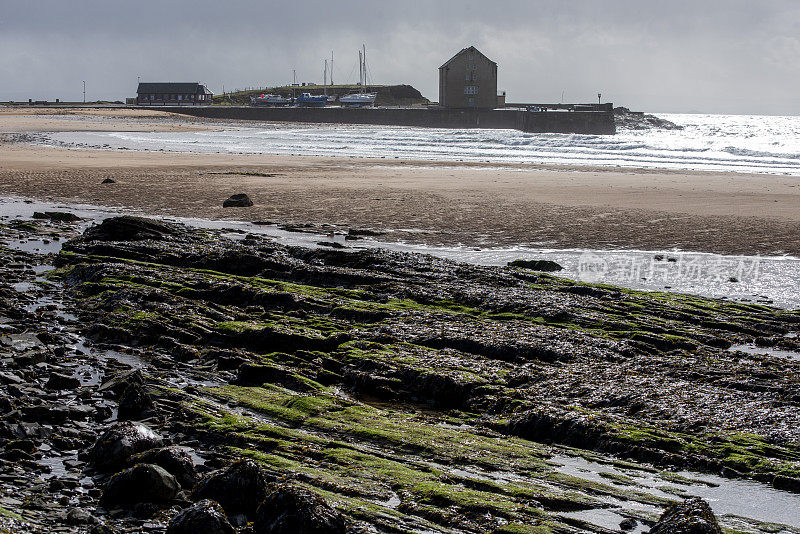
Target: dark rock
{"type": "Point", "coordinates": [45, 414]}
{"type": "Point", "coordinates": [129, 228]}
{"type": "Point", "coordinates": [174, 459]}
{"type": "Point", "coordinates": [120, 442]}
{"type": "Point", "coordinates": [239, 489]}
{"type": "Point", "coordinates": [46, 337]}
{"type": "Point", "coordinates": [787, 483]}
{"type": "Point", "coordinates": [256, 375]}
{"type": "Point", "coordinates": [628, 524]}
{"type": "Point", "coordinates": [16, 455]}
{"type": "Point", "coordinates": [80, 412]}
{"type": "Point", "coordinates": [108, 181]}
{"type": "Point", "coordinates": [79, 516]}
{"type": "Point", "coordinates": [692, 516]}
{"type": "Point", "coordinates": [6, 405]}
{"type": "Point", "coordinates": [10, 378]}
{"type": "Point", "coordinates": [636, 120]}
{"type": "Point", "coordinates": [144, 483]}
{"type": "Point", "coordinates": [537, 265]}
{"type": "Point", "coordinates": [237, 201]}
{"type": "Point", "coordinates": [205, 517]}
{"type": "Point", "coordinates": [21, 444]}
{"type": "Point", "coordinates": [59, 381]}
{"type": "Point", "coordinates": [102, 413]}
{"type": "Point", "coordinates": [55, 485]}
{"type": "Point", "coordinates": [120, 381]}
{"type": "Point", "coordinates": [135, 403]}
{"type": "Point", "coordinates": [101, 529]}
{"type": "Point", "coordinates": [293, 510]}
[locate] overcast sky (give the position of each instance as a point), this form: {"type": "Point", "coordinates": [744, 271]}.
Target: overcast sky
{"type": "Point", "coordinates": [717, 56]}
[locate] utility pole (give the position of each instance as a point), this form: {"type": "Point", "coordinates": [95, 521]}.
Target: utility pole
{"type": "Point", "coordinates": [599, 96]}
{"type": "Point", "coordinates": [84, 91]}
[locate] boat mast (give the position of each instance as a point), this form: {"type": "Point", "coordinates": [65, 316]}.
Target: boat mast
{"type": "Point", "coordinates": [364, 59]}
{"type": "Point", "coordinates": [331, 68]}
{"type": "Point", "coordinates": [360, 71]}
{"type": "Point", "coordinates": [325, 79]}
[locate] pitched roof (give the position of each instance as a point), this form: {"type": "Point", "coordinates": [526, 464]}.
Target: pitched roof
{"type": "Point", "coordinates": [468, 49]}
{"type": "Point", "coordinates": [172, 87]}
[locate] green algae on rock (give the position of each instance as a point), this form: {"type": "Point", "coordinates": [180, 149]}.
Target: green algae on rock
{"type": "Point", "coordinates": [416, 393]}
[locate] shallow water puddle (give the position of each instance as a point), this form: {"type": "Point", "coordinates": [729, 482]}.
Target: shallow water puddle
{"type": "Point", "coordinates": [740, 498]}
{"type": "Point", "coordinates": [35, 246]}
{"type": "Point", "coordinates": [766, 351]}
{"type": "Point", "coordinates": [130, 360]}
{"type": "Point", "coordinates": [23, 287]}
{"type": "Point", "coordinates": [56, 464]}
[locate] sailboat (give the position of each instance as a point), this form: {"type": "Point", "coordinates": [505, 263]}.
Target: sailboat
{"type": "Point", "coordinates": [362, 98]}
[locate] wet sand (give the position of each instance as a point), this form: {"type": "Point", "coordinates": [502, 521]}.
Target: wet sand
{"type": "Point", "coordinates": [441, 203]}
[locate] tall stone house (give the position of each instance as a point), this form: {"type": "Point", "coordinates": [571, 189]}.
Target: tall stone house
{"type": "Point", "coordinates": [468, 80]}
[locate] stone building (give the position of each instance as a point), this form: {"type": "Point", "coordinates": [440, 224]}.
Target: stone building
{"type": "Point", "coordinates": [468, 80]}
{"type": "Point", "coordinates": [172, 94]}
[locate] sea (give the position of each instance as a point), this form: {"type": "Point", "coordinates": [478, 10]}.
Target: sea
{"type": "Point", "coordinates": [727, 143]}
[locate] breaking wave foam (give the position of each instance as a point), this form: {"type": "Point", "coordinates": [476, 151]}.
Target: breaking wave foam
{"type": "Point", "coordinates": [740, 143]}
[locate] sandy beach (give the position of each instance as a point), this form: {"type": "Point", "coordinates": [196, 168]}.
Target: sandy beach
{"type": "Point", "coordinates": [437, 203]}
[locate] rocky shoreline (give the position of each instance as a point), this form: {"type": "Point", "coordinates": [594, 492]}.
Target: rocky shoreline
{"type": "Point", "coordinates": [156, 377]}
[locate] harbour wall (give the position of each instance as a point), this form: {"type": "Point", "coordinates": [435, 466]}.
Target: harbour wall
{"type": "Point", "coordinates": [579, 122]}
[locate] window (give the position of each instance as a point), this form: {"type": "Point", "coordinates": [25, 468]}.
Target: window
{"type": "Point", "coordinates": [467, 77]}
{"type": "Point", "coordinates": [474, 76]}
{"type": "Point", "coordinates": [470, 57]}
{"type": "Point", "coordinates": [471, 102]}
{"type": "Point", "coordinates": [470, 89]}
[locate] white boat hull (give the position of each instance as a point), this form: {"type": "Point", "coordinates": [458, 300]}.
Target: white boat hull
{"type": "Point", "coordinates": [359, 99]}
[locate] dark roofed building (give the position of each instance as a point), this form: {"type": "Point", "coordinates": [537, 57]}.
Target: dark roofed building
{"type": "Point", "coordinates": [172, 94]}
{"type": "Point", "coordinates": [468, 80]}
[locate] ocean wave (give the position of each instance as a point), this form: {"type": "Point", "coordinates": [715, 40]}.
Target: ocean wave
{"type": "Point", "coordinates": [707, 142]}
{"type": "Point", "coordinates": [736, 151]}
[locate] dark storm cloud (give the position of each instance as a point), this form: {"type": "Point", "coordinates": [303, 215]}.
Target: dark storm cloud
{"type": "Point", "coordinates": [710, 55]}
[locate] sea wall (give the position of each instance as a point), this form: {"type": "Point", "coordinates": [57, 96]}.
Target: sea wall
{"type": "Point", "coordinates": [581, 122]}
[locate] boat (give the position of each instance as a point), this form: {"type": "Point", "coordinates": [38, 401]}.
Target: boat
{"type": "Point", "coordinates": [356, 100]}
{"type": "Point", "coordinates": [269, 100]}
{"type": "Point", "coordinates": [361, 98]}
{"type": "Point", "coordinates": [307, 100]}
